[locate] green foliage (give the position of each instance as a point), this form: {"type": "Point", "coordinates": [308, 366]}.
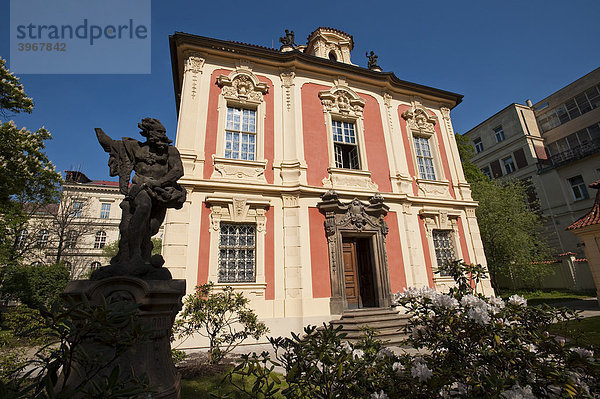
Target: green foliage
{"type": "Point", "coordinates": [25, 322]}
{"type": "Point", "coordinates": [221, 316]}
{"type": "Point", "coordinates": [178, 355]}
{"type": "Point", "coordinates": [464, 345]}
{"type": "Point", "coordinates": [510, 229]}
{"type": "Point", "coordinates": [12, 95]}
{"type": "Point", "coordinates": [86, 341]}
{"type": "Point", "coordinates": [110, 250]}
{"type": "Point", "coordinates": [34, 286]}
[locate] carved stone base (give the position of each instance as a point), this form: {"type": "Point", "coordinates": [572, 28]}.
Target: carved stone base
{"type": "Point", "coordinates": [159, 303]}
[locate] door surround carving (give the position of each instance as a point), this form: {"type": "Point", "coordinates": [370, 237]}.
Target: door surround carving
{"type": "Point", "coordinates": [355, 219]}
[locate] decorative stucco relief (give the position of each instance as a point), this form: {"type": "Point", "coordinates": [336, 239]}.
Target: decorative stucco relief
{"type": "Point", "coordinates": [431, 188]}
{"type": "Point", "coordinates": [194, 63]}
{"type": "Point", "coordinates": [243, 86]}
{"type": "Point", "coordinates": [342, 179]}
{"type": "Point", "coordinates": [237, 170]}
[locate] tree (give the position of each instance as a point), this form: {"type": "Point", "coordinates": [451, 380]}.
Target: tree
{"type": "Point", "coordinates": [28, 178]}
{"type": "Point", "coordinates": [221, 316]}
{"type": "Point", "coordinates": [110, 250]}
{"type": "Point", "coordinates": [510, 228]}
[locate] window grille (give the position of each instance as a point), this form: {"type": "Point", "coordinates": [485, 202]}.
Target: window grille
{"type": "Point", "coordinates": [100, 240]}
{"type": "Point", "coordinates": [444, 248]}
{"type": "Point", "coordinates": [43, 239]}
{"type": "Point", "coordinates": [237, 248]}
{"type": "Point", "coordinates": [104, 211]}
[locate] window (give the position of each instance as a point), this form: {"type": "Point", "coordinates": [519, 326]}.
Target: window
{"type": "Point", "coordinates": [571, 109]}
{"type": "Point", "coordinates": [22, 238]}
{"type": "Point", "coordinates": [424, 158]}
{"type": "Point", "coordinates": [104, 211]}
{"type": "Point", "coordinates": [486, 171]}
{"type": "Point", "coordinates": [240, 134]}
{"type": "Point", "coordinates": [345, 146]}
{"type": "Point", "coordinates": [43, 239]}
{"type": "Point", "coordinates": [95, 265]}
{"type": "Point", "coordinates": [77, 209]}
{"type": "Point", "coordinates": [478, 145]}
{"type": "Point", "coordinates": [444, 248]}
{"type": "Point", "coordinates": [36, 263]}
{"type": "Point", "coordinates": [237, 245]}
{"type": "Point", "coordinates": [509, 165]}
{"type": "Point", "coordinates": [71, 239]}
{"type": "Point", "coordinates": [100, 240]}
{"type": "Point", "coordinates": [499, 133]}
{"type": "Point", "coordinates": [578, 188]}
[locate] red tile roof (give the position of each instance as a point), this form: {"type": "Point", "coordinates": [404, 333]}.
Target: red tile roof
{"type": "Point", "coordinates": [104, 183]}
{"type": "Point", "coordinates": [593, 216]}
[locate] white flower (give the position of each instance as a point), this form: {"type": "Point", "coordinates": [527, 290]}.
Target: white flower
{"type": "Point", "coordinates": [346, 347]}
{"type": "Point", "coordinates": [584, 353]}
{"type": "Point", "coordinates": [420, 370]}
{"type": "Point", "coordinates": [472, 301]}
{"type": "Point", "coordinates": [358, 353]}
{"type": "Point", "coordinates": [517, 300]}
{"type": "Point", "coordinates": [380, 395]}
{"type": "Point", "coordinates": [398, 367]}
{"type": "Point", "coordinates": [430, 314]}
{"type": "Point", "coordinates": [445, 301]}
{"type": "Point", "coordinates": [385, 352]}
{"type": "Point", "coordinates": [531, 348]}
{"type": "Point", "coordinates": [479, 315]}
{"type": "Point", "coordinates": [516, 392]}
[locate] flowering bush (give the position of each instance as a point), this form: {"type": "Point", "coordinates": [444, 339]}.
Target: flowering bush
{"type": "Point", "coordinates": [464, 345]}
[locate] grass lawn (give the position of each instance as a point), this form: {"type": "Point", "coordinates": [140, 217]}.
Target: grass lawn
{"type": "Point", "coordinates": [547, 297]}
{"type": "Point", "coordinates": [583, 332]}
{"type": "Point", "coordinates": [201, 387]}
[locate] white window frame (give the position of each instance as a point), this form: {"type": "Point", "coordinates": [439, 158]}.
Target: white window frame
{"type": "Point", "coordinates": [478, 145]}
{"type": "Point", "coordinates": [499, 134]}
{"type": "Point", "coordinates": [428, 175]}
{"type": "Point", "coordinates": [100, 239]}
{"type": "Point", "coordinates": [241, 89]}
{"type": "Point", "coordinates": [452, 242]}
{"type": "Point", "coordinates": [251, 155]}
{"type": "Point", "coordinates": [580, 186]}
{"type": "Point", "coordinates": [236, 249]}
{"type": "Point", "coordinates": [105, 213]}
{"type": "Point", "coordinates": [238, 210]}
{"type": "Point", "coordinates": [488, 170]}
{"type": "Point", "coordinates": [505, 163]}
{"type": "Point", "coordinates": [78, 209]}
{"type": "Point", "coordinates": [43, 238]}
{"type": "Point", "coordinates": [337, 143]}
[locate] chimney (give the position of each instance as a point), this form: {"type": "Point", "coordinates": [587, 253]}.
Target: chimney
{"type": "Point", "coordinates": [529, 103]}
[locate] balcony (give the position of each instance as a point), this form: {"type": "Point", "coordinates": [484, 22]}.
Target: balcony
{"type": "Point", "coordinates": [573, 154]}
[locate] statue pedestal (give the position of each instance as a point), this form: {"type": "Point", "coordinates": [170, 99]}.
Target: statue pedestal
{"type": "Point", "coordinates": [159, 301]}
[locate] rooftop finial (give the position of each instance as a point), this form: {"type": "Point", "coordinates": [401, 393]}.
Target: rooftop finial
{"type": "Point", "coordinates": [287, 41]}
{"type": "Point", "coordinates": [372, 64]}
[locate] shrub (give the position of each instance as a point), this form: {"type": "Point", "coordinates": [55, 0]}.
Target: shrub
{"type": "Point", "coordinates": [221, 316]}
{"type": "Point", "coordinates": [35, 286]}
{"type": "Point", "coordinates": [464, 346]}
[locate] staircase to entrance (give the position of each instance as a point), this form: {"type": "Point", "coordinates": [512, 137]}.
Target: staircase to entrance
{"type": "Point", "coordinates": [388, 324]}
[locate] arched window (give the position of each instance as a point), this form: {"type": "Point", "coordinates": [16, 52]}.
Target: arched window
{"type": "Point", "coordinates": [67, 264]}
{"type": "Point", "coordinates": [43, 239]}
{"type": "Point", "coordinates": [332, 56]}
{"type": "Point", "coordinates": [100, 240]}
{"type": "Point", "coordinates": [36, 263]}
{"type": "Point", "coordinates": [22, 238]}
{"type": "Point", "coordinates": [95, 265]}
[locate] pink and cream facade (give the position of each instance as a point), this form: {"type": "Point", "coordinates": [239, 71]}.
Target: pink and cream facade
{"type": "Point", "coordinates": [314, 185]}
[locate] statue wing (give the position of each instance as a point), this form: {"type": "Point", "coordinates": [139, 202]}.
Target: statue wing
{"type": "Point", "coordinates": [119, 162]}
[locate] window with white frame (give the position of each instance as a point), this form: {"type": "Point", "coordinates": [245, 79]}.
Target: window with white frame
{"type": "Point", "coordinates": [478, 145]}
{"type": "Point", "coordinates": [71, 239]}
{"type": "Point", "coordinates": [487, 171]}
{"type": "Point", "coordinates": [578, 188]}
{"type": "Point", "coordinates": [95, 265]}
{"type": "Point", "coordinates": [345, 145]}
{"type": "Point", "coordinates": [43, 237]}
{"type": "Point", "coordinates": [237, 253]}
{"type": "Point", "coordinates": [104, 210]}
{"type": "Point", "coordinates": [444, 247]}
{"type": "Point", "coordinates": [22, 238]}
{"type": "Point", "coordinates": [100, 240]}
{"type": "Point", "coordinates": [499, 133]}
{"type": "Point", "coordinates": [240, 134]}
{"type": "Point", "coordinates": [424, 158]}
{"type": "Point", "coordinates": [77, 209]}
{"type": "Point", "coordinates": [509, 165]}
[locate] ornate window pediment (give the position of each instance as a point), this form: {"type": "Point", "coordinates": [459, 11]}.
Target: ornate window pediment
{"type": "Point", "coordinates": [242, 86]}
{"type": "Point", "coordinates": [420, 120]}
{"type": "Point", "coordinates": [342, 100]}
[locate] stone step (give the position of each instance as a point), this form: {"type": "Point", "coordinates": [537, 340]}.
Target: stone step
{"type": "Point", "coordinates": [374, 324]}
{"type": "Point", "coordinates": [368, 312]}
{"type": "Point", "coordinates": [367, 319]}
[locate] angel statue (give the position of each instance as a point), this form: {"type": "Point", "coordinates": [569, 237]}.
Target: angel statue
{"type": "Point", "coordinates": [153, 189]}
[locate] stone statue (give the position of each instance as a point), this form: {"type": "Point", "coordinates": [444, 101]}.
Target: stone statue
{"type": "Point", "coordinates": [153, 189]}
{"type": "Point", "coordinates": [372, 63]}
{"type": "Point", "coordinates": [288, 39]}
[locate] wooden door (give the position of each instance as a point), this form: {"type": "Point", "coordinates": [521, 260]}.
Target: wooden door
{"type": "Point", "coordinates": [351, 274]}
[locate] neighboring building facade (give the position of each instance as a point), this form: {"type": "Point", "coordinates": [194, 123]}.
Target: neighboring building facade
{"type": "Point", "coordinates": [555, 144]}
{"type": "Point", "coordinates": [314, 186]}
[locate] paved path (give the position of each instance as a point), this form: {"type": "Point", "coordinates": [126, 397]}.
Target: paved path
{"type": "Point", "coordinates": [588, 306]}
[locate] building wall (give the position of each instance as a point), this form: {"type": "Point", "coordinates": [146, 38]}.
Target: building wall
{"type": "Point", "coordinates": [279, 192]}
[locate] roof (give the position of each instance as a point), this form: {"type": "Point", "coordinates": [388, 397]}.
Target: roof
{"type": "Point", "coordinates": [324, 28]}
{"type": "Point", "coordinates": [593, 216]}
{"type": "Point", "coordinates": [290, 59]}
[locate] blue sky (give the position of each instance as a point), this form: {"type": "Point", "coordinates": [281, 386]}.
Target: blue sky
{"type": "Point", "coordinates": [493, 52]}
